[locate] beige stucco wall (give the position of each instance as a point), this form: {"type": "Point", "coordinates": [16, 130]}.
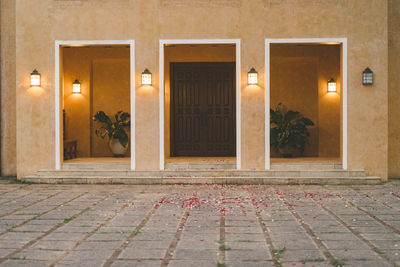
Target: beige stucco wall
{"type": "Point", "coordinates": [8, 101]}
{"type": "Point", "coordinates": [104, 74]}
{"type": "Point", "coordinates": [41, 22]}
{"type": "Point", "coordinates": [394, 88]}
{"type": "Point", "coordinates": [189, 53]}
{"type": "Point", "coordinates": [299, 76]}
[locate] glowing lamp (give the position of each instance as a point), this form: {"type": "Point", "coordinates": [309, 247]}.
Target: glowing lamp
{"type": "Point", "coordinates": [35, 78]}
{"type": "Point", "coordinates": [146, 77]}
{"type": "Point", "coordinates": [367, 77]}
{"type": "Point", "coordinates": [76, 87]}
{"type": "Point", "coordinates": [331, 85]}
{"type": "Point", "coordinates": [252, 76]}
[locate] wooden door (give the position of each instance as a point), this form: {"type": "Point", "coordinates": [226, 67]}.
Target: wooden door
{"type": "Point", "coordinates": [203, 121]}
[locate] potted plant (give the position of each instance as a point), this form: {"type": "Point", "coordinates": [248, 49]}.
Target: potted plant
{"type": "Point", "coordinates": [115, 130]}
{"type": "Point", "coordinates": [288, 131]}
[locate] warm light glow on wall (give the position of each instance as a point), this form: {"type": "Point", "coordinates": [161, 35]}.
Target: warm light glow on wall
{"type": "Point", "coordinates": [35, 78]}
{"type": "Point", "coordinates": [331, 85]}
{"type": "Point", "coordinates": [146, 77]}
{"type": "Point", "coordinates": [252, 76]}
{"type": "Point", "coordinates": [76, 87]}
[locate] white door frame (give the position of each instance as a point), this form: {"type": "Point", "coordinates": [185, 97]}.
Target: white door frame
{"type": "Point", "coordinates": [236, 42]}
{"type": "Point", "coordinates": [343, 42]}
{"type": "Point", "coordinates": [58, 45]}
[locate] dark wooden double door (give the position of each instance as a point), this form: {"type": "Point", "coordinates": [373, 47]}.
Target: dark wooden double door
{"type": "Point", "coordinates": [203, 121]}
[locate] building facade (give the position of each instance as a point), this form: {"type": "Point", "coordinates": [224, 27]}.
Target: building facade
{"type": "Point", "coordinates": [283, 40]}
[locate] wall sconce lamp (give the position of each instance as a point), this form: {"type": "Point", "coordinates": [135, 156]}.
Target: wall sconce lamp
{"type": "Point", "coordinates": [35, 78]}
{"type": "Point", "coordinates": [252, 76]}
{"type": "Point", "coordinates": [331, 85]}
{"type": "Point", "coordinates": [76, 87]}
{"type": "Point", "coordinates": [367, 77]}
{"type": "Point", "coordinates": [146, 77]}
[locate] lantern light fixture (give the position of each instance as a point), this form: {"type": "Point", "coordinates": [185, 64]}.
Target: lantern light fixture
{"type": "Point", "coordinates": [76, 87]}
{"type": "Point", "coordinates": [146, 77]}
{"type": "Point", "coordinates": [35, 78]}
{"type": "Point", "coordinates": [331, 85]}
{"type": "Point", "coordinates": [252, 76]}
{"type": "Point", "coordinates": [367, 77]}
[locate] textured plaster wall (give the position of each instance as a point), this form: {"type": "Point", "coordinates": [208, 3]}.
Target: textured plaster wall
{"type": "Point", "coordinates": [189, 53]}
{"type": "Point", "coordinates": [105, 85]}
{"type": "Point", "coordinates": [8, 101]}
{"type": "Point", "coordinates": [394, 88]}
{"type": "Point", "coordinates": [299, 76]}
{"type": "Point", "coordinates": [41, 22]}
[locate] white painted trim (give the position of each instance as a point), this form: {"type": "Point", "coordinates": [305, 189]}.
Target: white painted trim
{"type": "Point", "coordinates": [133, 104]}
{"type": "Point", "coordinates": [236, 42]}
{"type": "Point", "coordinates": [344, 104]}
{"type": "Point", "coordinates": [238, 108]}
{"type": "Point", "coordinates": [57, 106]}
{"type": "Point", "coordinates": [161, 93]}
{"type": "Point", "coordinates": [267, 107]}
{"type": "Point", "coordinates": [78, 43]}
{"type": "Point", "coordinates": [343, 42]}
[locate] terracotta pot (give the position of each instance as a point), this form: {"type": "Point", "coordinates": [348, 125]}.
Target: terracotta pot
{"type": "Point", "coordinates": [116, 148]}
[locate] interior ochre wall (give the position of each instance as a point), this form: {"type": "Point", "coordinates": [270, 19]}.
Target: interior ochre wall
{"type": "Point", "coordinates": [394, 88]}
{"type": "Point", "coordinates": [299, 75]}
{"type": "Point", "coordinates": [104, 74]}
{"type": "Point", "coordinates": [8, 86]}
{"type": "Point", "coordinates": [41, 22]}
{"type": "Point", "coordinates": [189, 53]}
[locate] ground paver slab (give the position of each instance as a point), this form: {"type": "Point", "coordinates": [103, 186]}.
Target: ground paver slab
{"type": "Point", "coordinates": [149, 244]}
{"type": "Point", "coordinates": [97, 254]}
{"type": "Point", "coordinates": [346, 254]}
{"type": "Point", "coordinates": [30, 263]}
{"type": "Point", "coordinates": [250, 263]}
{"type": "Point", "coordinates": [192, 263]}
{"type": "Point", "coordinates": [139, 253]}
{"type": "Point", "coordinates": [80, 263]}
{"type": "Point", "coordinates": [302, 255]}
{"type": "Point", "coordinates": [195, 254]}
{"type": "Point", "coordinates": [54, 245]}
{"type": "Point", "coordinates": [136, 263]}
{"type": "Point", "coordinates": [248, 255]}
{"type": "Point", "coordinates": [308, 264]}
{"type": "Point", "coordinates": [38, 254]}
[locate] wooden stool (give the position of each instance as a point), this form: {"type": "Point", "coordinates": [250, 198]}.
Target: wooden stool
{"type": "Point", "coordinates": [70, 149]}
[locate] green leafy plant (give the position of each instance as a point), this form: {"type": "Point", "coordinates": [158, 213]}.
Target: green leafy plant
{"type": "Point", "coordinates": [288, 130]}
{"type": "Point", "coordinates": [276, 256]}
{"type": "Point", "coordinates": [68, 219]}
{"type": "Point", "coordinates": [337, 263]}
{"type": "Point", "coordinates": [224, 248]}
{"type": "Point", "coordinates": [114, 129]}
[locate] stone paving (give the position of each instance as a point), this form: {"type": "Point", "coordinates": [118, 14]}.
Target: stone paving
{"type": "Point", "coordinates": [202, 225]}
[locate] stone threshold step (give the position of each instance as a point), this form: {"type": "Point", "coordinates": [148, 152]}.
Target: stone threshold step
{"type": "Point", "coordinates": [200, 173]}
{"type": "Point", "coordinates": [201, 166]}
{"type": "Point", "coordinates": [212, 180]}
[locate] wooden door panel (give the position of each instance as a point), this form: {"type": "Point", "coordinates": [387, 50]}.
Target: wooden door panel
{"type": "Point", "coordinates": [221, 111]}
{"type": "Point", "coordinates": [203, 109]}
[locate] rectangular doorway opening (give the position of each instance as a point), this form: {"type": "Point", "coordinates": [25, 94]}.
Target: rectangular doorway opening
{"type": "Point", "coordinates": [95, 81]}
{"type": "Point", "coordinates": [307, 85]}
{"type": "Point", "coordinates": [201, 96]}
